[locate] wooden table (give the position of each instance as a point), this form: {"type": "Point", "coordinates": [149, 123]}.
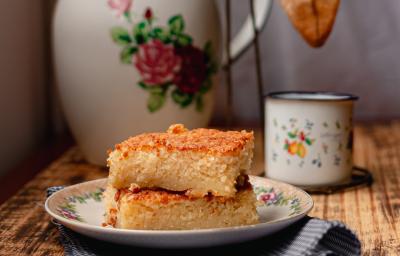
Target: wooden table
{"type": "Point", "coordinates": [372, 212]}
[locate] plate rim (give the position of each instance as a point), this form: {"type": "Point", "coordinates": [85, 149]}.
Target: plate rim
{"type": "Point", "coordinates": [179, 232]}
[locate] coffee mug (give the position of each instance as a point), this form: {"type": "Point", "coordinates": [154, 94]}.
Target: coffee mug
{"type": "Point", "coordinates": [309, 137]}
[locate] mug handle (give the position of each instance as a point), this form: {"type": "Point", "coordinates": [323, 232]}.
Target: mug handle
{"type": "Point", "coordinates": [242, 40]}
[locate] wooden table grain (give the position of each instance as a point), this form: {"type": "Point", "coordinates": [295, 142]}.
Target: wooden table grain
{"type": "Point", "coordinates": [372, 212]}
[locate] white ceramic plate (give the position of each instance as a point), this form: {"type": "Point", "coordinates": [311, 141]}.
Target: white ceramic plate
{"type": "Point", "coordinates": [80, 208]}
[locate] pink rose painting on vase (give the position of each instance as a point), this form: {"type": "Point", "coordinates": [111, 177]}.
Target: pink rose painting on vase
{"type": "Point", "coordinates": [165, 57]}
{"type": "Point", "coordinates": [121, 7]}
{"type": "Point", "coordinates": [156, 62]}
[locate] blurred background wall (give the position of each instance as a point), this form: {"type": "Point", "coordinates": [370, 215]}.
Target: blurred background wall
{"type": "Point", "coordinates": [362, 56]}
{"type": "Point", "coordinates": [23, 80]}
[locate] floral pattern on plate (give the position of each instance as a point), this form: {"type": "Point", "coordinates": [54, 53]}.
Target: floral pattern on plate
{"type": "Point", "coordinates": [280, 205]}
{"type": "Point", "coordinates": [69, 208]}
{"type": "Point", "coordinates": [270, 196]}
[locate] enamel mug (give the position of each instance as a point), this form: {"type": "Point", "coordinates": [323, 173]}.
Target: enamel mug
{"type": "Point", "coordinates": [309, 137]}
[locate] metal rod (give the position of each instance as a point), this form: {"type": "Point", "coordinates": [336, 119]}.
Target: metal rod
{"type": "Point", "coordinates": [258, 72]}
{"type": "Point", "coordinates": [228, 74]}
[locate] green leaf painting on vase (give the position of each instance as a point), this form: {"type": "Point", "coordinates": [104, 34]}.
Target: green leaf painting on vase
{"type": "Point", "coordinates": [168, 61]}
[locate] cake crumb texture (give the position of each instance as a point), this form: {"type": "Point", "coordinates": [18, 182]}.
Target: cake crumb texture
{"type": "Point", "coordinates": [199, 161]}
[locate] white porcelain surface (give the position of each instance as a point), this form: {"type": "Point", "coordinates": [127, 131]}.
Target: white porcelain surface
{"type": "Point", "coordinates": [80, 208]}
{"type": "Point", "coordinates": [100, 97]}
{"type": "Point", "coordinates": [309, 138]}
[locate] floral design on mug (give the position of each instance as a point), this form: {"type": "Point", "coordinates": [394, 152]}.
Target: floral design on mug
{"type": "Point", "coordinates": [275, 122]}
{"type": "Point", "coordinates": [309, 125]}
{"type": "Point", "coordinates": [325, 147]}
{"type": "Point", "coordinates": [277, 138]}
{"type": "Point", "coordinates": [340, 146]}
{"type": "Point", "coordinates": [292, 122]}
{"type": "Point", "coordinates": [337, 124]}
{"type": "Point", "coordinates": [165, 57]}
{"type": "Point", "coordinates": [295, 144]}
{"type": "Point", "coordinates": [337, 160]}
{"type": "Point", "coordinates": [347, 144]}
{"type": "Point", "coordinates": [274, 156]}
{"type": "Point", "coordinates": [298, 140]}
{"type": "Point", "coordinates": [317, 161]}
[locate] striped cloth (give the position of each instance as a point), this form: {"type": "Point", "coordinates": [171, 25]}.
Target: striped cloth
{"type": "Point", "coordinates": [309, 236]}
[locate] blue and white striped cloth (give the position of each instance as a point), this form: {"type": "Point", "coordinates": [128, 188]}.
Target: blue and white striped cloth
{"type": "Point", "coordinates": [309, 236]}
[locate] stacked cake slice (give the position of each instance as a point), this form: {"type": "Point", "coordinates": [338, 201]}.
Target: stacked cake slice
{"type": "Point", "coordinates": [181, 180]}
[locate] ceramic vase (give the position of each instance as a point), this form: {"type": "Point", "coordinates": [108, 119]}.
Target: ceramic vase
{"type": "Point", "coordinates": [125, 67]}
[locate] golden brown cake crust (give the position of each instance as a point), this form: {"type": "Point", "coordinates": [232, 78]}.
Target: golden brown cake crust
{"type": "Point", "coordinates": [178, 138]}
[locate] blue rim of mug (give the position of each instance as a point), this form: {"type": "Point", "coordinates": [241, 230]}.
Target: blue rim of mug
{"type": "Point", "coordinates": [329, 96]}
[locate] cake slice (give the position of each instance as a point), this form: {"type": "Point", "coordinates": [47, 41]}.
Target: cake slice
{"type": "Point", "coordinates": [198, 161]}
{"type": "Point", "coordinates": [155, 209]}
